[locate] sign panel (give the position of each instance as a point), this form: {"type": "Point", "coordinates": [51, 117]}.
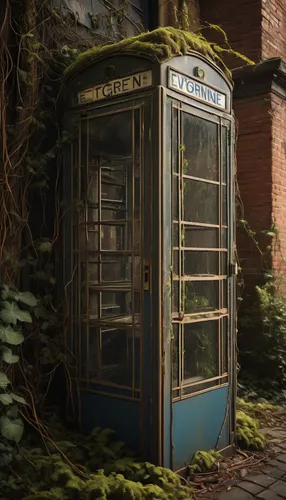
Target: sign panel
{"type": "Point", "coordinates": [116, 87]}
{"type": "Point", "coordinates": [196, 89]}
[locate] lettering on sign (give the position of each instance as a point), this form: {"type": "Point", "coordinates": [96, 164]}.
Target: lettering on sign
{"type": "Point", "coordinates": [116, 87]}
{"type": "Point", "coordinates": [195, 89]}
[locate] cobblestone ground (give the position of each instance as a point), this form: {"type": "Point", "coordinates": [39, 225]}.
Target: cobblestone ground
{"type": "Point", "coordinates": [270, 483]}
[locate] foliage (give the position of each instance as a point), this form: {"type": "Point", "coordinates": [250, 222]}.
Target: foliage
{"type": "Point", "coordinates": [161, 45]}
{"type": "Point", "coordinates": [12, 316]}
{"type": "Point", "coordinates": [204, 461]}
{"type": "Point", "coordinates": [262, 331]}
{"type": "Point", "coordinates": [86, 467]}
{"type": "Point", "coordinates": [247, 432]}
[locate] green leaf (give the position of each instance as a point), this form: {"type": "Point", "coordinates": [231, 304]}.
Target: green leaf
{"type": "Point", "coordinates": [8, 356]}
{"type": "Point", "coordinates": [11, 313]}
{"type": "Point", "coordinates": [12, 412]}
{"type": "Point", "coordinates": [45, 247]}
{"type": "Point", "coordinates": [19, 399]}
{"type": "Point", "coordinates": [6, 398]}
{"type": "Point", "coordinates": [4, 381]}
{"type": "Point", "coordinates": [10, 336]}
{"type": "Point", "coordinates": [8, 294]}
{"type": "Point", "coordinates": [26, 298]}
{"type": "Point", "coordinates": [11, 429]}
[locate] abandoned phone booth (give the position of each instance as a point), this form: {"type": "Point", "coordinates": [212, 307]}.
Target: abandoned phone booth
{"type": "Point", "coordinates": [148, 244]}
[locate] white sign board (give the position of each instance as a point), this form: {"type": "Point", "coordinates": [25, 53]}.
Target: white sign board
{"type": "Point", "coordinates": [196, 89]}
{"type": "Point", "coordinates": [116, 87]}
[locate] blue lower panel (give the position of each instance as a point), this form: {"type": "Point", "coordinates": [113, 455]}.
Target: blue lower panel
{"type": "Point", "coordinates": [197, 424]}
{"type": "Point", "coordinates": [122, 415]}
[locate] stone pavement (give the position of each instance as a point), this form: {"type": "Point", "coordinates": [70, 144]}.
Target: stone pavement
{"type": "Point", "coordinates": [269, 484]}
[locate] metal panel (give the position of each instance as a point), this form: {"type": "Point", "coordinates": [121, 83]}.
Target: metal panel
{"type": "Point", "coordinates": [121, 415]}
{"type": "Point", "coordinates": [197, 425]}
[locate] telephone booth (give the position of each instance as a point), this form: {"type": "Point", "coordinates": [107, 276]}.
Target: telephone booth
{"type": "Point", "coordinates": [148, 252]}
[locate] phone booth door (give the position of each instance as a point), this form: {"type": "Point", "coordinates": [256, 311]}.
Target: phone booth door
{"type": "Point", "coordinates": [202, 235]}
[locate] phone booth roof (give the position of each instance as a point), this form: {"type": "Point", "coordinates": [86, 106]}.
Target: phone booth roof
{"type": "Point", "coordinates": [183, 62]}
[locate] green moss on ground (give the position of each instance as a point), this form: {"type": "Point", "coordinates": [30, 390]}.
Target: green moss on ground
{"type": "Point", "coordinates": [161, 45]}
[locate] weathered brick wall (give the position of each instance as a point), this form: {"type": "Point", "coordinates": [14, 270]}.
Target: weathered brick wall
{"type": "Point", "coordinates": [254, 180]}
{"type": "Point", "coordinates": [273, 28]}
{"type": "Point", "coordinates": [241, 20]}
{"type": "Point", "coordinates": [171, 13]}
{"type": "Point", "coordinates": [279, 180]}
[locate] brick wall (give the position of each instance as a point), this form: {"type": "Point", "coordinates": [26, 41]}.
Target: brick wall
{"type": "Point", "coordinates": [273, 28]}
{"type": "Point", "coordinates": [254, 179]}
{"type": "Point", "coordinates": [279, 180]}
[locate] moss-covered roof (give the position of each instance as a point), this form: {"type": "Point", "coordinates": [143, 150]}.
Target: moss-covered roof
{"type": "Point", "coordinates": [161, 44]}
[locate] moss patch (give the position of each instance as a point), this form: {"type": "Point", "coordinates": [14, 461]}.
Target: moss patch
{"type": "Point", "coordinates": [161, 45]}
{"type": "Point", "coordinates": [247, 431]}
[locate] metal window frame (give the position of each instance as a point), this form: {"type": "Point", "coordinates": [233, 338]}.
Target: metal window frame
{"type": "Point", "coordinates": [222, 313]}
{"type": "Point", "coordinates": [80, 319]}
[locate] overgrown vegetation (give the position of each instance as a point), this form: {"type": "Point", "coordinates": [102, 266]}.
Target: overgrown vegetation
{"type": "Point", "coordinates": [71, 466]}
{"type": "Point", "coordinates": [262, 329]}
{"type": "Point", "coordinates": [205, 461]}
{"type": "Point", "coordinates": [247, 432]}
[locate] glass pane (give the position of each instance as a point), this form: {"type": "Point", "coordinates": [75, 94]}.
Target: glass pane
{"type": "Point", "coordinates": [200, 263]}
{"type": "Point", "coordinates": [176, 262]}
{"type": "Point", "coordinates": [116, 237]}
{"type": "Point", "coordinates": [113, 214]}
{"type": "Point", "coordinates": [200, 147]}
{"type": "Point", "coordinates": [89, 271]}
{"type": "Point", "coordinates": [115, 268]}
{"type": "Point", "coordinates": [201, 237]}
{"type": "Point", "coordinates": [224, 334]}
{"type": "Point", "coordinates": [175, 296]}
{"type": "Point", "coordinates": [223, 263]}
{"type": "Point", "coordinates": [176, 353]}
{"type": "Point", "coordinates": [201, 359]}
{"type": "Point", "coordinates": [224, 236]}
{"type": "Point", "coordinates": [90, 302]}
{"type": "Point", "coordinates": [224, 285]}
{"type": "Point", "coordinates": [200, 202]}
{"type": "Point", "coordinates": [224, 205]}
{"type": "Point", "coordinates": [93, 351]}
{"type": "Point", "coordinates": [175, 140]}
{"type": "Point", "coordinates": [176, 235]}
{"type": "Point", "coordinates": [200, 296]}
{"type": "Point", "coordinates": [116, 359]}
{"type": "Point", "coordinates": [116, 304]}
{"type": "Point", "coordinates": [175, 203]}
{"type": "Point", "coordinates": [224, 150]}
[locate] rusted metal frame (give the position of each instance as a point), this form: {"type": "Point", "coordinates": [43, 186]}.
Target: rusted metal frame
{"type": "Point", "coordinates": [220, 242]}
{"type": "Point", "coordinates": [133, 246]}
{"type": "Point", "coordinates": [99, 296]}
{"type": "Point", "coordinates": [87, 295]}
{"type": "Point", "coordinates": [202, 249]}
{"type": "Point", "coordinates": [180, 207]}
{"type": "Point", "coordinates": [141, 251]}
{"type": "Point", "coordinates": [202, 391]}
{"type": "Point", "coordinates": [200, 179]}
{"type": "Point", "coordinates": [200, 316]}
{"type": "Point", "coordinates": [189, 384]}
{"type": "Point", "coordinates": [190, 278]}
{"type": "Point", "coordinates": [78, 302]}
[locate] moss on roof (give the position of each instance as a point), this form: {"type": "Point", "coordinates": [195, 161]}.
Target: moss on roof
{"type": "Point", "coordinates": [161, 44]}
